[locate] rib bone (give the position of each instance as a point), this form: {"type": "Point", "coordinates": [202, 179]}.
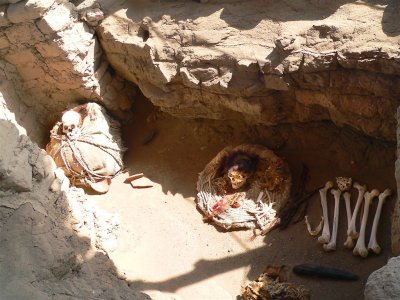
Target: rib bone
{"type": "Point", "coordinates": [351, 231]}
{"type": "Point", "coordinates": [360, 248]}
{"type": "Point", "coordinates": [373, 244]}
{"type": "Point", "coordinates": [325, 236]}
{"type": "Point", "coordinates": [331, 246]}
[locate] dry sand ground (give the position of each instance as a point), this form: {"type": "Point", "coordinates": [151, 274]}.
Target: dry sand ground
{"type": "Point", "coordinates": [163, 243]}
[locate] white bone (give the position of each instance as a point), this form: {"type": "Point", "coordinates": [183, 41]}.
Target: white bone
{"type": "Point", "coordinates": [71, 123]}
{"type": "Point", "coordinates": [349, 243]}
{"type": "Point", "coordinates": [346, 197]}
{"type": "Point", "coordinates": [325, 236]}
{"type": "Point", "coordinates": [360, 248]}
{"type": "Point", "coordinates": [351, 230]}
{"type": "Point", "coordinates": [317, 230]}
{"type": "Point", "coordinates": [71, 117]}
{"type": "Point", "coordinates": [373, 244]}
{"type": "Point", "coordinates": [331, 246]}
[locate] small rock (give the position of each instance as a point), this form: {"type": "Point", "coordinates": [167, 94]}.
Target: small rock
{"type": "Point", "coordinates": [92, 16]}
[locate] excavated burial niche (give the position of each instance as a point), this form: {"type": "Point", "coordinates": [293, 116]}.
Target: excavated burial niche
{"type": "Point", "coordinates": [182, 147]}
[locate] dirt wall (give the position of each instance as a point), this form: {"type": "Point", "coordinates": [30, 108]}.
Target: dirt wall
{"type": "Point", "coordinates": [53, 240]}
{"type": "Point", "coordinates": [52, 57]}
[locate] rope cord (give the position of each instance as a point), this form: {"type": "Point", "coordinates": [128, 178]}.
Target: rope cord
{"type": "Point", "coordinates": [87, 172]}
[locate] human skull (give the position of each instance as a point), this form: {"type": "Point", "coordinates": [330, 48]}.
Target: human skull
{"type": "Point", "coordinates": [237, 178]}
{"type": "Point", "coordinates": [71, 124]}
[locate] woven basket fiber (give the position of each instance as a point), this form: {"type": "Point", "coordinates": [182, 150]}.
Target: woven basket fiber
{"type": "Point", "coordinates": [265, 194]}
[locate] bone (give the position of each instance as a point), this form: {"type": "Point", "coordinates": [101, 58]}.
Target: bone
{"type": "Point", "coordinates": [346, 197]}
{"type": "Point", "coordinates": [360, 248]}
{"type": "Point", "coordinates": [349, 243]}
{"type": "Point", "coordinates": [373, 244]}
{"type": "Point", "coordinates": [344, 183]}
{"type": "Point", "coordinates": [317, 230]}
{"type": "Point", "coordinates": [325, 236]}
{"type": "Point", "coordinates": [351, 230]}
{"type": "Point", "coordinates": [331, 246]}
{"type": "Point", "coordinates": [71, 123]}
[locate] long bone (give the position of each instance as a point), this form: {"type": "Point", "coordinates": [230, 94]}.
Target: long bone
{"type": "Point", "coordinates": [331, 246]}
{"type": "Point", "coordinates": [349, 243]}
{"type": "Point", "coordinates": [360, 248]}
{"type": "Point", "coordinates": [351, 230]}
{"type": "Point", "coordinates": [373, 244]}
{"type": "Point", "coordinates": [344, 184]}
{"type": "Point", "coordinates": [325, 236]}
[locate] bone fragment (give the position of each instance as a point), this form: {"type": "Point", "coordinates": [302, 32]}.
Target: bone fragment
{"type": "Point", "coordinates": [325, 236]}
{"type": "Point", "coordinates": [331, 246]}
{"type": "Point", "coordinates": [373, 244]}
{"type": "Point", "coordinates": [133, 177]}
{"type": "Point", "coordinates": [352, 231]}
{"type": "Point", "coordinates": [360, 248]}
{"type": "Point", "coordinates": [317, 230]}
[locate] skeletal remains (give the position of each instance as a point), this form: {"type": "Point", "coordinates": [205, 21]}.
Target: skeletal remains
{"type": "Point", "coordinates": [344, 184]}
{"type": "Point", "coordinates": [71, 124]}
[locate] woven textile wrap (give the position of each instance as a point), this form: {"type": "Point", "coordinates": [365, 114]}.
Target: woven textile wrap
{"type": "Point", "coordinates": [95, 156]}
{"type": "Point", "coordinates": [265, 194]}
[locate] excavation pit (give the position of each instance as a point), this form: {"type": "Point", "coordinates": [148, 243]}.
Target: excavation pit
{"type": "Point", "coordinates": [310, 80]}
{"type": "Point", "coordinates": [163, 243]}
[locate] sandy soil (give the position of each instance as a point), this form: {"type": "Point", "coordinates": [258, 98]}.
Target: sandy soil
{"type": "Point", "coordinates": [163, 244]}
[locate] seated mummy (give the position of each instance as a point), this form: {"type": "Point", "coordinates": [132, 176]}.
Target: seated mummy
{"type": "Point", "coordinates": [86, 144]}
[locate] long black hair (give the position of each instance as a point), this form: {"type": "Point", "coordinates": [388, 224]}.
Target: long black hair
{"type": "Point", "coordinates": [241, 161]}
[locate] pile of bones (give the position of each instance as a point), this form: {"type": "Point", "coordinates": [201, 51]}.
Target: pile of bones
{"type": "Point", "coordinates": [328, 240]}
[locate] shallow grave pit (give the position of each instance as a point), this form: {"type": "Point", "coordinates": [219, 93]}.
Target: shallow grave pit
{"type": "Point", "coordinates": [311, 80]}
{"type": "Point", "coordinates": [164, 245]}
{"type": "Point", "coordinates": [158, 242]}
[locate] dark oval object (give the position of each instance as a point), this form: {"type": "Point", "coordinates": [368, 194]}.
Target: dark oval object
{"type": "Point", "coordinates": [324, 272]}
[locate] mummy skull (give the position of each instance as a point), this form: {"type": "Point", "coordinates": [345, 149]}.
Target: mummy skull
{"type": "Point", "coordinates": [71, 123]}
{"type": "Point", "coordinates": [240, 166]}
{"type": "Point", "coordinates": [237, 178]}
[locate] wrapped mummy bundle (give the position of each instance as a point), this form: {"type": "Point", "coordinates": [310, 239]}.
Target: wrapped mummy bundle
{"type": "Point", "coordinates": [244, 187]}
{"type": "Point", "coordinates": [86, 144]}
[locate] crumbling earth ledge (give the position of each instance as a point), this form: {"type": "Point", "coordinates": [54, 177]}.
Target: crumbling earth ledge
{"type": "Point", "coordinates": [269, 62]}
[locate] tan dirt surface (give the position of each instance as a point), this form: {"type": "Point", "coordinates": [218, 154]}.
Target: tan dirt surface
{"type": "Point", "coordinates": [163, 244]}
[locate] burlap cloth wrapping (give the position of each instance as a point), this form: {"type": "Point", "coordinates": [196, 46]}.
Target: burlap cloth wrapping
{"type": "Point", "coordinates": [266, 193]}
{"type": "Point", "coordinates": [99, 141]}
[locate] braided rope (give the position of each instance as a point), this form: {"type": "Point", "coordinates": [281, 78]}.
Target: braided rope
{"type": "Point", "coordinates": [86, 173]}
{"type": "Point", "coordinates": [105, 148]}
